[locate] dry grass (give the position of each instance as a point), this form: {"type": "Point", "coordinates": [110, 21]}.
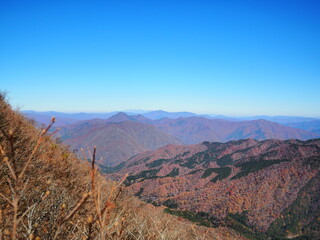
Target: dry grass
{"type": "Point", "coordinates": [47, 193]}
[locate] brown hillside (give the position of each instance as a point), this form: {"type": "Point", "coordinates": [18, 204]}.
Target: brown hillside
{"type": "Point", "coordinates": [47, 193]}
{"type": "Point", "coordinates": [261, 179]}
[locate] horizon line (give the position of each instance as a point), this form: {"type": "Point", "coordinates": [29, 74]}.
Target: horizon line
{"type": "Point", "coordinates": [148, 111]}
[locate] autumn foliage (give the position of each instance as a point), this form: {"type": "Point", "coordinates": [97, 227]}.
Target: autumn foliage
{"type": "Point", "coordinates": [46, 192]}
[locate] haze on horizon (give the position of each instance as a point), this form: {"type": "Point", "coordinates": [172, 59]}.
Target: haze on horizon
{"type": "Point", "coordinates": [208, 57]}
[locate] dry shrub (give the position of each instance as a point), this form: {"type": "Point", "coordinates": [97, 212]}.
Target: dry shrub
{"type": "Point", "coordinates": [47, 193]}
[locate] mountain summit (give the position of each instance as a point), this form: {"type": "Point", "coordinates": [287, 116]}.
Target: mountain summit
{"type": "Point", "coordinates": [116, 138]}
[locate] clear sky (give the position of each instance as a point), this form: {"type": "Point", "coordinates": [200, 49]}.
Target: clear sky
{"type": "Point", "coordinates": [221, 57]}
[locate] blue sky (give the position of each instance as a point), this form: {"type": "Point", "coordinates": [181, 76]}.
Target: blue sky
{"type": "Point", "coordinates": [220, 57]}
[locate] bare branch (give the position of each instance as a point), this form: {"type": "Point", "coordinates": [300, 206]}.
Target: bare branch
{"type": "Point", "coordinates": [29, 208]}
{"type": "Point", "coordinates": [11, 186]}
{"type": "Point", "coordinates": [5, 198]}
{"type": "Point", "coordinates": [79, 204]}
{"type": "Point", "coordinates": [13, 174]}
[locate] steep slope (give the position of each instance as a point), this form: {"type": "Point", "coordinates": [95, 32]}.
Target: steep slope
{"type": "Point", "coordinates": [302, 216]}
{"type": "Point", "coordinates": [197, 129]}
{"type": "Point", "coordinates": [255, 180]}
{"type": "Point", "coordinates": [116, 141]}
{"type": "Point", "coordinates": [46, 193]}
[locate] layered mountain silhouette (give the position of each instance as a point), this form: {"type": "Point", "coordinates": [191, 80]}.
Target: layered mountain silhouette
{"type": "Point", "coordinates": [122, 136]}
{"type": "Point", "coordinates": [156, 115]}
{"type": "Point", "coordinates": [196, 129]}
{"type": "Point", "coordinates": [235, 174]}
{"type": "Point", "coordinates": [266, 187]}
{"type": "Point", "coordinates": [45, 118]}
{"type": "Point", "coordinates": [115, 141]}
{"type": "Point", "coordinates": [311, 126]}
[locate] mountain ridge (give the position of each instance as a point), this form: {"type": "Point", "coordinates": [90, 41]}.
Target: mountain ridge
{"type": "Point", "coordinates": [158, 114]}
{"type": "Point", "coordinates": [117, 141]}
{"type": "Point", "coordinates": [260, 178]}
{"type": "Point", "coordinates": [197, 129]}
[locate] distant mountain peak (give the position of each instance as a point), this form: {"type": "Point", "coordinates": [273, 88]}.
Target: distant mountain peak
{"type": "Point", "coordinates": [121, 114]}
{"type": "Point", "coordinates": [119, 117]}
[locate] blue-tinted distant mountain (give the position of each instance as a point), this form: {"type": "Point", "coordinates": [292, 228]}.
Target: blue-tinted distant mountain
{"type": "Point", "coordinates": [122, 136]}
{"type": "Point", "coordinates": [121, 117]}
{"type": "Point", "coordinates": [312, 126]}
{"type": "Point", "coordinates": [66, 118]}
{"type": "Point", "coordinates": [117, 138]}
{"type": "Point", "coordinates": [278, 119]}
{"type": "Point", "coordinates": [154, 115]}
{"type": "Point", "coordinates": [193, 130]}
{"type": "Point", "coordinates": [45, 117]}
{"type": "Point", "coordinates": [163, 114]}
{"type": "Point", "coordinates": [222, 117]}
{"type": "Point", "coordinates": [77, 116]}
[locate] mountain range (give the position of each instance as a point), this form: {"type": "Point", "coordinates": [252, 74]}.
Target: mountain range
{"type": "Point", "coordinates": [115, 141]}
{"type": "Point", "coordinates": [65, 118]}
{"type": "Point", "coordinates": [255, 177]}
{"type": "Point", "coordinates": [198, 129]}
{"type": "Point", "coordinates": [122, 136]}
{"type": "Point", "coordinates": [311, 126]}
